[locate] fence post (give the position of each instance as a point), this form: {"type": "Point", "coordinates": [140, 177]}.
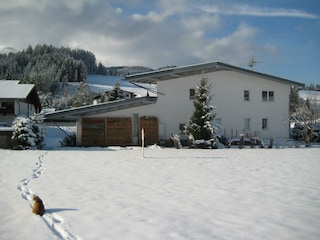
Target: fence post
{"type": "Point", "coordinates": [142, 142]}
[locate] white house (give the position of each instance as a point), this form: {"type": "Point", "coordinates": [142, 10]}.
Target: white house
{"type": "Point", "coordinates": [246, 101]}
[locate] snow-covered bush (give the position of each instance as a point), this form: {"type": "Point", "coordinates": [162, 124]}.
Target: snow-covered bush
{"type": "Point", "coordinates": [176, 141]}
{"type": "Point", "coordinates": [28, 133]}
{"type": "Point", "coordinates": [190, 141]}
{"type": "Point", "coordinates": [23, 136]}
{"type": "Point", "coordinates": [212, 143]}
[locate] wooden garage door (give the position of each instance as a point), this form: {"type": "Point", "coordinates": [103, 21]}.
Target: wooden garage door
{"type": "Point", "coordinates": [150, 126]}
{"type": "Point", "coordinates": [118, 131]}
{"type": "Point", "coordinates": [93, 132]}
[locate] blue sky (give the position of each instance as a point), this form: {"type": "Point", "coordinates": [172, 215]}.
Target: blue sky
{"type": "Point", "coordinates": [283, 35]}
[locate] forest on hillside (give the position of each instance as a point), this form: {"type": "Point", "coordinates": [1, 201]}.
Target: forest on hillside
{"type": "Point", "coordinates": [53, 69]}
{"type": "Point", "coordinates": [46, 66]}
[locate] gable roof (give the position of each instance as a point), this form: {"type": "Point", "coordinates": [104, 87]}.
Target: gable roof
{"type": "Point", "coordinates": [196, 69]}
{"type": "Point", "coordinates": [11, 89]}
{"type": "Point", "coordinates": [85, 111]}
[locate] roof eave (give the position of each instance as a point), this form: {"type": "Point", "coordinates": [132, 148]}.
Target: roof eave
{"type": "Point", "coordinates": [85, 111]}
{"type": "Point", "coordinates": [176, 72]}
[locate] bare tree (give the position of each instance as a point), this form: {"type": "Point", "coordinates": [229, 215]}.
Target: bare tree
{"type": "Point", "coordinates": [307, 116]}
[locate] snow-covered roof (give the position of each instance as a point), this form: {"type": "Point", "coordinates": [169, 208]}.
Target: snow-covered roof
{"type": "Point", "coordinates": [103, 83]}
{"type": "Point", "coordinates": [75, 113]}
{"type": "Point", "coordinates": [189, 70]}
{"type": "Point", "coordinates": [11, 89]}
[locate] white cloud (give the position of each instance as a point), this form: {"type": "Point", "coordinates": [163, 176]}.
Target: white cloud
{"type": "Point", "coordinates": [13, 4]}
{"type": "Point", "coordinates": [271, 49]}
{"type": "Point", "coordinates": [249, 10]}
{"type": "Point", "coordinates": [75, 6]}
{"type": "Point", "coordinates": [118, 10]}
{"type": "Point", "coordinates": [203, 22]}
{"type": "Point", "coordinates": [232, 48]}
{"type": "Point", "coordinates": [171, 32]}
{"type": "Point", "coordinates": [172, 7]}
{"type": "Point", "coordinates": [151, 16]}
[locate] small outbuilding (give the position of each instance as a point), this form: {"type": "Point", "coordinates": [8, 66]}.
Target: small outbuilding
{"type": "Point", "coordinates": [15, 100]}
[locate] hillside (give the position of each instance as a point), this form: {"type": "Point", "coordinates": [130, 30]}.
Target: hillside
{"type": "Point", "coordinates": [64, 77]}
{"type": "Point", "coordinates": [46, 66]}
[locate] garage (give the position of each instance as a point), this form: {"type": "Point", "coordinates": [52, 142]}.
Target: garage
{"type": "Point", "coordinates": [117, 131]}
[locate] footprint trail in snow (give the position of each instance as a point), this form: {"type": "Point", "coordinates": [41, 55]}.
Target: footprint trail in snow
{"type": "Point", "coordinates": [53, 220]}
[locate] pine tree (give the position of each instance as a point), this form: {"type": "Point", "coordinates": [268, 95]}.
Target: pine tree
{"type": "Point", "coordinates": [39, 129]}
{"type": "Point", "coordinates": [294, 100]}
{"type": "Point", "coordinates": [101, 69]}
{"type": "Point", "coordinates": [199, 123]}
{"type": "Point", "coordinates": [83, 96]}
{"type": "Point", "coordinates": [115, 93]}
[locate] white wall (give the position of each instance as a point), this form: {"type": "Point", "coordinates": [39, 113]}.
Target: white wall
{"type": "Point", "coordinates": [228, 90]}
{"type": "Point", "coordinates": [228, 96]}
{"type": "Point", "coordinates": [22, 108]}
{"type": "Point", "coordinates": [228, 87]}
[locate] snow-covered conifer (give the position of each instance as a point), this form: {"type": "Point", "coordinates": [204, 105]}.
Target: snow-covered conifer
{"type": "Point", "coordinates": [39, 129]}
{"type": "Point", "coordinates": [28, 133]}
{"type": "Point", "coordinates": [199, 123]}
{"type": "Point", "coordinates": [83, 96]}
{"type": "Point", "coordinates": [23, 136]}
{"type": "Point", "coordinates": [115, 93]}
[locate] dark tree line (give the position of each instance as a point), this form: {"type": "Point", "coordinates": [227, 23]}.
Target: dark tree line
{"type": "Point", "coordinates": [46, 66]}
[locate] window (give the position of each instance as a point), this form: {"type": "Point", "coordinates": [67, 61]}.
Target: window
{"type": "Point", "coordinates": [161, 130]}
{"type": "Point", "coordinates": [264, 96]}
{"type": "Point", "coordinates": [247, 123]}
{"type": "Point", "coordinates": [7, 108]}
{"type": "Point", "coordinates": [246, 95]}
{"type": "Point", "coordinates": [267, 96]}
{"type": "Point", "coordinates": [271, 96]}
{"type": "Point", "coordinates": [264, 124]}
{"type": "Point", "coordinates": [192, 93]}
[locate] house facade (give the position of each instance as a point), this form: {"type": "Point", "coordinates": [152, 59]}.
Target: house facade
{"type": "Point", "coordinates": [15, 100]}
{"type": "Point", "coordinates": [246, 102]}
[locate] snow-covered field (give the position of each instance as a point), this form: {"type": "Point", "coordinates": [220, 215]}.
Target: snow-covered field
{"type": "Point", "coordinates": [102, 83]}
{"type": "Point", "coordinates": [115, 193]}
